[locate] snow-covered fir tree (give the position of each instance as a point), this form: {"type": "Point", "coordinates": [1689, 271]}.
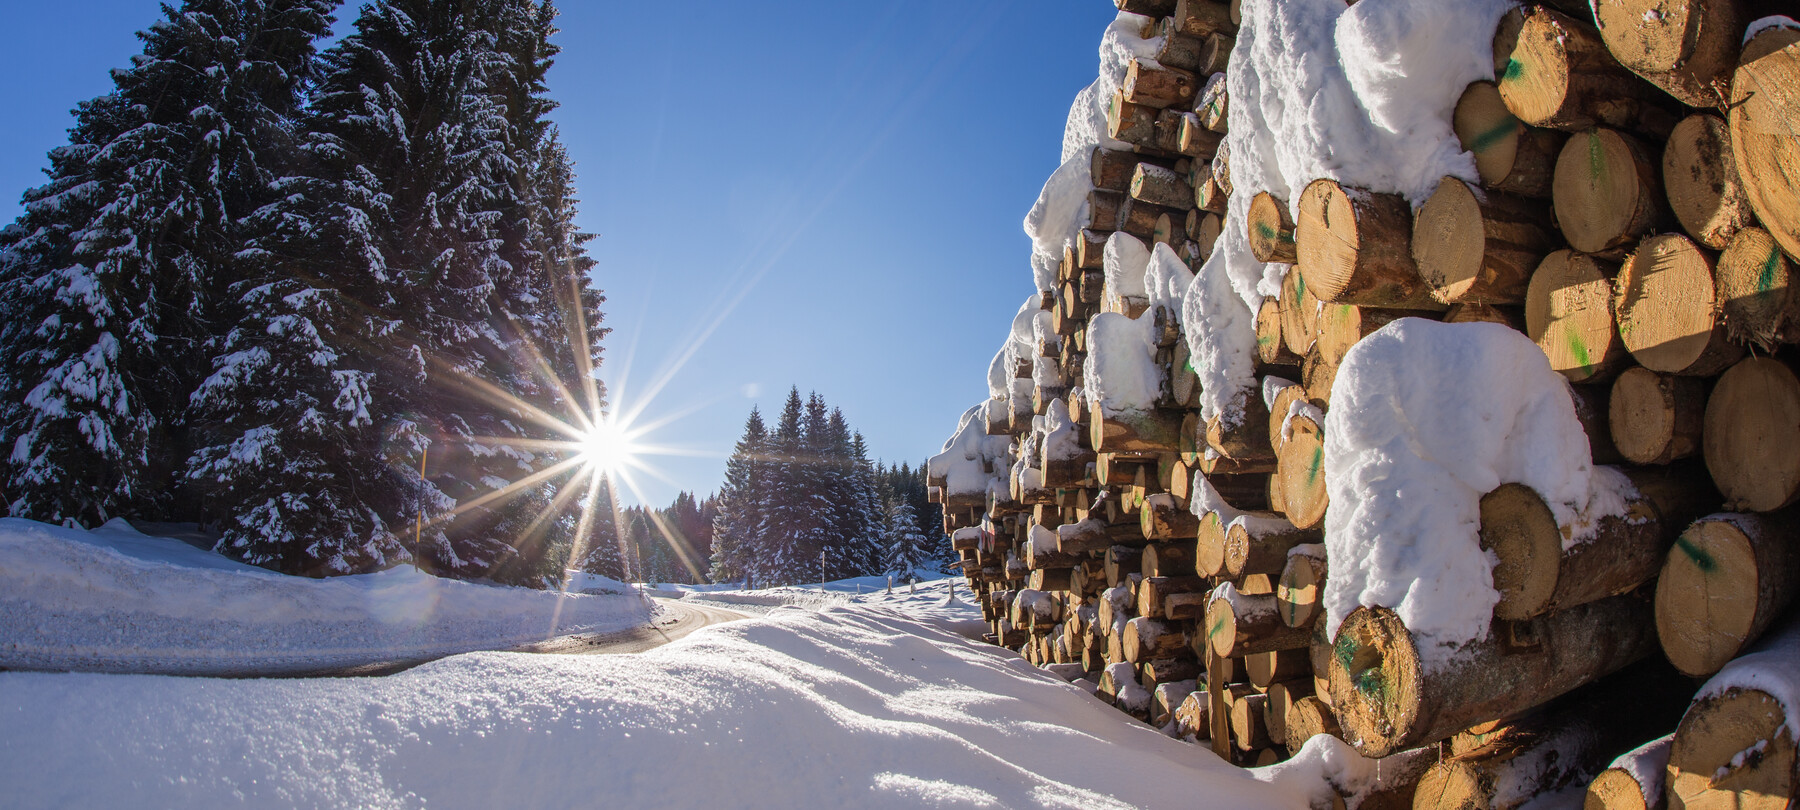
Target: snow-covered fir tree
{"type": "Point", "coordinates": [737, 527]}
{"type": "Point", "coordinates": [905, 549]}
{"type": "Point", "coordinates": [110, 277]}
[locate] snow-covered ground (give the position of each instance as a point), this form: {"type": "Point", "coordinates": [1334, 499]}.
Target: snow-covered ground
{"type": "Point", "coordinates": [115, 600]}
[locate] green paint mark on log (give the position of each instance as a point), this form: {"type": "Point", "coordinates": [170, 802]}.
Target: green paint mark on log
{"type": "Point", "coordinates": [1765, 281]}
{"type": "Point", "coordinates": [1702, 559]}
{"type": "Point", "coordinates": [1579, 351]}
{"type": "Point", "coordinates": [1596, 158]}
{"type": "Point", "coordinates": [1344, 650]}
{"type": "Point", "coordinates": [1312, 468]}
{"type": "Point", "coordinates": [1513, 70]}
{"type": "Point", "coordinates": [1486, 140]}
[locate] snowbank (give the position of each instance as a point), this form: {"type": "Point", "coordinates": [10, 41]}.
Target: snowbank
{"type": "Point", "coordinates": [1426, 418]}
{"type": "Point", "coordinates": [115, 600]}
{"type": "Point", "coordinates": [1121, 374]}
{"type": "Point", "coordinates": [847, 707]}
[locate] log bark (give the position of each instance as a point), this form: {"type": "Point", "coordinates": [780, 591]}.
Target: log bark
{"type": "Point", "coordinates": [1301, 586]}
{"type": "Point", "coordinates": [1168, 560]}
{"type": "Point", "coordinates": [1512, 317]}
{"type": "Point", "coordinates": [1568, 312]}
{"type": "Point", "coordinates": [1103, 211]}
{"type": "Point", "coordinates": [1163, 518]}
{"type": "Point", "coordinates": [1474, 250]}
{"type": "Point", "coordinates": [1239, 624]}
{"type": "Point", "coordinates": [1751, 439]}
{"type": "Point", "coordinates": [1306, 718]}
{"type": "Point", "coordinates": [1160, 186]}
{"type": "Point", "coordinates": [1608, 191]}
{"type": "Point", "coordinates": [1261, 546]}
{"type": "Point", "coordinates": [1764, 122]}
{"type": "Point", "coordinates": [1201, 18]}
{"type": "Point", "coordinates": [1216, 56]}
{"type": "Point", "coordinates": [1667, 310]}
{"type": "Point", "coordinates": [1510, 156]}
{"type": "Point", "coordinates": [1178, 50]}
{"type": "Point", "coordinates": [1121, 561]}
{"type": "Point", "coordinates": [1271, 229]}
{"type": "Point", "coordinates": [1148, 639]}
{"type": "Point", "coordinates": [1725, 581]}
{"type": "Point", "coordinates": [1139, 218]}
{"type": "Point", "coordinates": [1241, 431]}
{"type": "Point", "coordinates": [1153, 85]}
{"type": "Point", "coordinates": [1686, 47]}
{"type": "Point", "coordinates": [1134, 124]}
{"type": "Point", "coordinates": [1135, 432]}
{"type": "Point", "coordinates": [1194, 139]}
{"type": "Point", "coordinates": [1702, 183]}
{"type": "Point", "coordinates": [1755, 290]}
{"type": "Point", "coordinates": [1302, 473]}
{"type": "Point", "coordinates": [1388, 700]}
{"type": "Point", "coordinates": [1656, 418]}
{"type": "Point", "coordinates": [1355, 247]}
{"type": "Point", "coordinates": [1154, 594]}
{"type": "Point", "coordinates": [1293, 667]}
{"type": "Point", "coordinates": [1536, 573]}
{"type": "Point", "coordinates": [1554, 71]}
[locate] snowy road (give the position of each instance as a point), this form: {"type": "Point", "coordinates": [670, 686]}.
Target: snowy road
{"type": "Point", "coordinates": [680, 620]}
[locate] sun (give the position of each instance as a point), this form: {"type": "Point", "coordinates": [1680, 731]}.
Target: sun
{"type": "Point", "coordinates": [607, 447]}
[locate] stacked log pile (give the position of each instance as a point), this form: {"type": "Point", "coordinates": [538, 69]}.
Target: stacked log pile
{"type": "Point", "coordinates": [1637, 216]}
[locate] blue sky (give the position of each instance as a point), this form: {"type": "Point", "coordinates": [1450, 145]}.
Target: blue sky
{"type": "Point", "coordinates": [817, 194]}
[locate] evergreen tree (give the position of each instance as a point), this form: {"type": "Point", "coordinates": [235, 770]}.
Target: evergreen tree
{"type": "Point", "coordinates": [866, 508]}
{"type": "Point", "coordinates": [110, 275]}
{"type": "Point", "coordinates": [737, 526]}
{"type": "Point", "coordinates": [790, 513]}
{"type": "Point", "coordinates": [906, 551]}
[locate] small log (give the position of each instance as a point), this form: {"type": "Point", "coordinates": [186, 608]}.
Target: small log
{"type": "Point", "coordinates": [1216, 57]}
{"type": "Point", "coordinates": [1051, 579]}
{"type": "Point", "coordinates": [1608, 191]}
{"type": "Point", "coordinates": [1725, 581]}
{"type": "Point", "coordinates": [1301, 586]}
{"type": "Point", "coordinates": [1164, 518]}
{"type": "Point", "coordinates": [1537, 572]}
{"type": "Point", "coordinates": [1154, 593]}
{"type": "Point", "coordinates": [1168, 560]}
{"type": "Point", "coordinates": [1388, 700]}
{"type": "Point", "coordinates": [1271, 229]}
{"type": "Point", "coordinates": [1686, 47]}
{"type": "Point", "coordinates": [1306, 718]}
{"type": "Point", "coordinates": [1134, 124]}
{"type": "Point", "coordinates": [1751, 439]}
{"type": "Point", "coordinates": [1090, 249]}
{"type": "Point", "coordinates": [1194, 139]}
{"type": "Point", "coordinates": [1202, 18]}
{"type": "Point", "coordinates": [1355, 247]}
{"type": "Point", "coordinates": [1512, 317]}
{"type": "Point", "coordinates": [1186, 606]}
{"type": "Point", "coordinates": [1278, 666]}
{"type": "Point", "coordinates": [1178, 50]}
{"type": "Point", "coordinates": [1210, 194]}
{"type": "Point", "coordinates": [1735, 747]}
{"type": "Point", "coordinates": [1270, 349]}
{"type": "Point", "coordinates": [1656, 418]}
{"type": "Point", "coordinates": [1554, 71]}
{"type": "Point", "coordinates": [1239, 624]}
{"type": "Point", "coordinates": [1135, 432]}
{"type": "Point", "coordinates": [1260, 546]}
{"type": "Point", "coordinates": [1122, 560]}
{"type": "Point", "coordinates": [1299, 313]}
{"type": "Point", "coordinates": [1764, 107]}
{"type": "Point", "coordinates": [1568, 312]}
{"type": "Point", "coordinates": [1471, 249]}
{"type": "Point", "coordinates": [1702, 183]}
{"type": "Point", "coordinates": [1147, 639]}
{"type": "Point", "coordinates": [1168, 696]}
{"type": "Point", "coordinates": [1667, 311]}
{"type": "Point", "coordinates": [1755, 290]}
{"type": "Point", "coordinates": [1241, 431]}
{"type": "Point", "coordinates": [1191, 720]}
{"type": "Point", "coordinates": [1249, 729]}
{"type": "Point", "coordinates": [1285, 399]}
{"type": "Point", "coordinates": [1214, 106]}
{"type": "Point", "coordinates": [1618, 787]}
{"type": "Point", "coordinates": [1139, 218]}
{"type": "Point", "coordinates": [1119, 687]}
{"type": "Point", "coordinates": [1153, 85]}
{"type": "Point", "coordinates": [1148, 8]}
{"type": "Point", "coordinates": [1341, 326]}
{"type": "Point", "coordinates": [1281, 698]}
{"type": "Point", "coordinates": [1155, 184]}
{"type": "Point", "coordinates": [1301, 468]}
{"type": "Point", "coordinates": [1510, 156]}
{"type": "Point", "coordinates": [1103, 210]}
{"type": "Point", "coordinates": [1111, 169]}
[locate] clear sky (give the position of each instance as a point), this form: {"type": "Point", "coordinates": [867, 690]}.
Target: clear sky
{"type": "Point", "coordinates": [817, 194]}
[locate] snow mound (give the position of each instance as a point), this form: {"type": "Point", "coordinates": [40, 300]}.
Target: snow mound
{"type": "Point", "coordinates": [115, 600]}
{"type": "Point", "coordinates": [848, 707]}
{"type": "Point", "coordinates": [1426, 418]}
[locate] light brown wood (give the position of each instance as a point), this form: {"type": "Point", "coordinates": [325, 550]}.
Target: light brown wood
{"type": "Point", "coordinates": [1554, 71]}
{"type": "Point", "coordinates": [1752, 436]}
{"type": "Point", "coordinates": [1191, 716]}
{"type": "Point", "coordinates": [1135, 432]}
{"type": "Point", "coordinates": [1215, 106]}
{"type": "Point", "coordinates": [1608, 191]}
{"type": "Point", "coordinates": [1656, 418]}
{"type": "Point", "coordinates": [1355, 247]}
{"type": "Point", "coordinates": [1174, 559]}
{"type": "Point", "coordinates": [1299, 313]}
{"type": "Point", "coordinates": [1725, 581]}
{"type": "Point", "coordinates": [1209, 194]}
{"type": "Point", "coordinates": [1666, 310]}
{"type": "Point", "coordinates": [1616, 789]}
{"type": "Point", "coordinates": [1300, 589]}
{"type": "Point", "coordinates": [1122, 560]}
{"type": "Point", "coordinates": [1178, 50]}
{"type": "Point", "coordinates": [1281, 698]}
{"type": "Point", "coordinates": [1160, 186]}
{"type": "Point", "coordinates": [1512, 317]}
{"type": "Point", "coordinates": [1132, 123]}
{"type": "Point", "coordinates": [1686, 47]}
{"type": "Point", "coordinates": [1285, 399]}
{"type": "Point", "coordinates": [1147, 639]}
{"type": "Point", "coordinates": [1306, 718]}
{"type": "Point", "coordinates": [1509, 155]}
{"type": "Point", "coordinates": [1271, 350]}
{"type": "Point", "coordinates": [1139, 218]}
{"type": "Point", "coordinates": [1200, 18]}
{"type": "Point", "coordinates": [1261, 546]}
{"type": "Point", "coordinates": [1536, 574]}
{"type": "Point", "coordinates": [1194, 139]}
{"type": "Point", "coordinates": [1264, 670]}
{"type": "Point", "coordinates": [1239, 624]}
{"type": "Point", "coordinates": [1471, 249]}
{"type": "Point", "coordinates": [1249, 731]}
{"type": "Point", "coordinates": [1701, 180]}
{"type": "Point", "coordinates": [1568, 312]}
{"type": "Point", "coordinates": [1216, 56]}
{"type": "Point", "coordinates": [1765, 132]}
{"type": "Point", "coordinates": [1709, 767]}
{"type": "Point", "coordinates": [1301, 468]}
{"type": "Point", "coordinates": [1387, 700]}
{"type": "Point", "coordinates": [1154, 85]}
{"type": "Point", "coordinates": [1271, 229]}
{"type": "Point", "coordinates": [1755, 290]}
{"type": "Point", "coordinates": [1241, 431]}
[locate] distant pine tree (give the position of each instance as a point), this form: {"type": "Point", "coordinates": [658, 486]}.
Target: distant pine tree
{"type": "Point", "coordinates": [737, 525]}
{"type": "Point", "coordinates": [783, 554]}
{"type": "Point", "coordinates": [109, 278]}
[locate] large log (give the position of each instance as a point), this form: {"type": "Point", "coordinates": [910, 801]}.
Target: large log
{"type": "Point", "coordinates": [1474, 249]}
{"type": "Point", "coordinates": [1667, 311]}
{"type": "Point", "coordinates": [1536, 574]}
{"type": "Point", "coordinates": [1150, 431]}
{"type": "Point", "coordinates": [1608, 191]}
{"type": "Point", "coordinates": [1153, 85]}
{"type": "Point", "coordinates": [1355, 247]}
{"type": "Point", "coordinates": [1239, 624]}
{"type": "Point", "coordinates": [1755, 290]}
{"type": "Point", "coordinates": [1155, 184]}
{"type": "Point", "coordinates": [1723, 584]}
{"type": "Point", "coordinates": [1271, 229]}
{"type": "Point", "coordinates": [1306, 718]}
{"type": "Point", "coordinates": [1765, 135]}
{"type": "Point", "coordinates": [1656, 418]}
{"type": "Point", "coordinates": [1752, 436]}
{"type": "Point", "coordinates": [1387, 698]}
{"type": "Point", "coordinates": [1262, 546]}
{"type": "Point", "coordinates": [1554, 71]}
{"type": "Point", "coordinates": [1702, 183]}
{"type": "Point", "coordinates": [1510, 156]}
{"type": "Point", "coordinates": [1686, 47]}
{"type": "Point", "coordinates": [1568, 311]}
{"type": "Point", "coordinates": [1735, 747]}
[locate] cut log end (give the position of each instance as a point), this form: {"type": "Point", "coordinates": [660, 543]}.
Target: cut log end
{"type": "Point", "coordinates": [1664, 305]}
{"type": "Point", "coordinates": [1709, 765]}
{"type": "Point", "coordinates": [1568, 312]}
